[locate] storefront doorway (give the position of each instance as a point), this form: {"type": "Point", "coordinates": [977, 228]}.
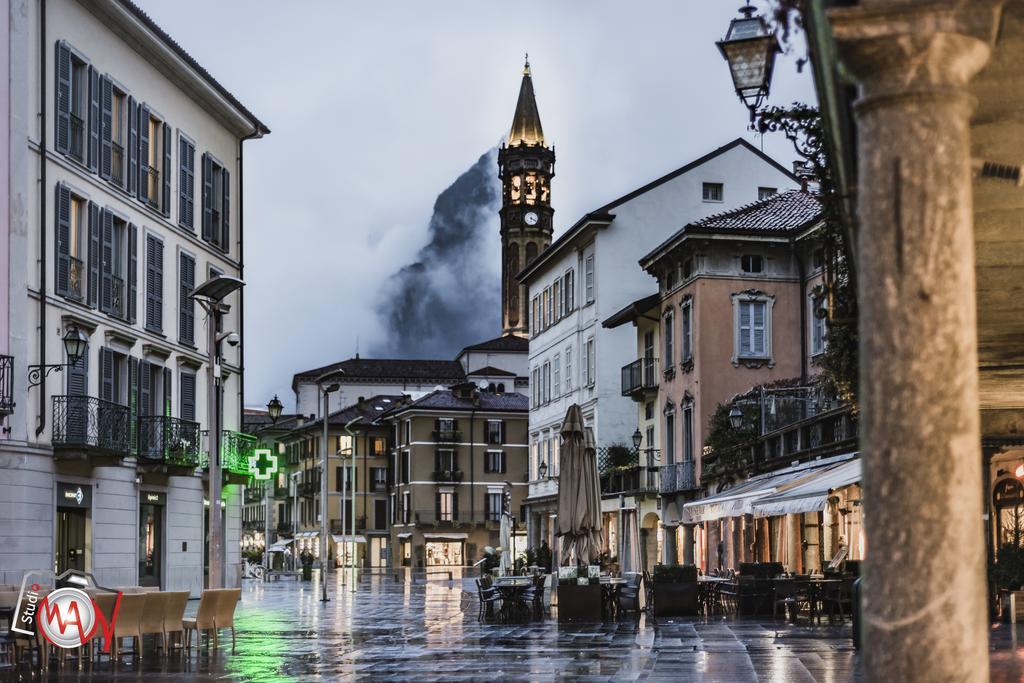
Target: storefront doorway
{"type": "Point", "coordinates": [72, 538]}
{"type": "Point", "coordinates": [444, 553]}
{"type": "Point", "coordinates": [151, 538]}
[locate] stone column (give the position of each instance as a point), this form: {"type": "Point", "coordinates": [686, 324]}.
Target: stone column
{"type": "Point", "coordinates": [687, 544]}
{"type": "Point", "coordinates": [924, 577]}
{"type": "Point", "coordinates": [668, 544]}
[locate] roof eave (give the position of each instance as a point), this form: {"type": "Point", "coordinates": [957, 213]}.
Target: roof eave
{"type": "Point", "coordinates": [598, 219]}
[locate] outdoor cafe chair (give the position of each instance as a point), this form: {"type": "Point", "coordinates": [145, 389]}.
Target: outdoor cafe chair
{"type": "Point", "coordinates": [648, 583]}
{"type": "Point", "coordinates": [128, 624]}
{"type": "Point", "coordinates": [629, 595]}
{"type": "Point", "coordinates": [174, 613]}
{"type": "Point", "coordinates": [837, 597]}
{"type": "Point", "coordinates": [151, 622]}
{"type": "Point", "coordinates": [204, 620]}
{"type": "Point", "coordinates": [787, 595]}
{"type": "Point", "coordinates": [490, 600]}
{"type": "Point", "coordinates": [224, 617]}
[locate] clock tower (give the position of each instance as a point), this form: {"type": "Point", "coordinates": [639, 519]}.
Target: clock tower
{"type": "Point", "coordinates": [526, 167]}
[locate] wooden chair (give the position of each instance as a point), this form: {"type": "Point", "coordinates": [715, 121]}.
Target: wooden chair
{"type": "Point", "coordinates": [151, 622]}
{"type": "Point", "coordinates": [127, 625]}
{"type": "Point", "coordinates": [174, 614]}
{"type": "Point", "coordinates": [204, 620]}
{"type": "Point", "coordinates": [224, 617]}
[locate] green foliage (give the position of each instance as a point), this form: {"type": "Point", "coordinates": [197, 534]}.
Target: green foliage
{"type": "Point", "coordinates": [619, 456]}
{"type": "Point", "coordinates": [675, 573]}
{"type": "Point", "coordinates": [723, 439]}
{"type": "Point", "coordinates": [802, 125]}
{"type": "Point", "coordinates": [1008, 571]}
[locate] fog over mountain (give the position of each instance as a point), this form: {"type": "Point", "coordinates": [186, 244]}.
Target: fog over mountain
{"type": "Point", "coordinates": [449, 297]}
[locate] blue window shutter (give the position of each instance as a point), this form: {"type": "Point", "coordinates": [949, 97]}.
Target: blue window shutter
{"type": "Point", "coordinates": [133, 268]}
{"type": "Point", "coordinates": [186, 307]}
{"type": "Point", "coordinates": [107, 262]}
{"type": "Point", "coordinates": [106, 128]}
{"type": "Point", "coordinates": [106, 374]}
{"type": "Point", "coordinates": [225, 213]}
{"type": "Point", "coordinates": [94, 119]}
{"type": "Point", "coordinates": [62, 136]}
{"type": "Point", "coordinates": [63, 211]}
{"type": "Point", "coordinates": [133, 146]}
{"type": "Point", "coordinates": [165, 174]}
{"type": "Point", "coordinates": [95, 228]}
{"type": "Point", "coordinates": [186, 183]}
{"type": "Point", "coordinates": [143, 192]}
{"type": "Point", "coordinates": [207, 197]}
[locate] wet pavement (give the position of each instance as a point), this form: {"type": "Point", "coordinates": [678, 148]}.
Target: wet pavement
{"type": "Point", "coordinates": [428, 631]}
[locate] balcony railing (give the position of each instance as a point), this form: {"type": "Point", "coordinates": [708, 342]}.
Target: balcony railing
{"type": "Point", "coordinates": [253, 525]}
{"type": "Point", "coordinates": [630, 480]}
{"type": "Point", "coordinates": [6, 385]}
{"type": "Point", "coordinates": [680, 476]}
{"type": "Point", "coordinates": [640, 376]}
{"type": "Point", "coordinates": [446, 436]}
{"type": "Point", "coordinates": [91, 423]}
{"type": "Point", "coordinates": [117, 296]}
{"type": "Point", "coordinates": [448, 476]}
{"type": "Point", "coordinates": [117, 164]}
{"type": "Point", "coordinates": [76, 272]}
{"type": "Point", "coordinates": [77, 142]}
{"type": "Point", "coordinates": [280, 492]}
{"type": "Point", "coordinates": [169, 440]}
{"type": "Point", "coordinates": [235, 449]}
{"type": "Point", "coordinates": [309, 488]}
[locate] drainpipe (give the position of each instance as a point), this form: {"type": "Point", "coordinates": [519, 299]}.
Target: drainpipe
{"type": "Point", "coordinates": [41, 420]}
{"type": "Point", "coordinates": [241, 271]}
{"type": "Point", "coordinates": [472, 468]}
{"type": "Point", "coordinates": [801, 270]}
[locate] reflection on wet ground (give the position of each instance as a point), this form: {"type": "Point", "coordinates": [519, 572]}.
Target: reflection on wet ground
{"type": "Point", "coordinates": [428, 631]}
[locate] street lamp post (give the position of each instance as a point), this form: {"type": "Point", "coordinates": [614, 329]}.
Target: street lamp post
{"type": "Point", "coordinates": [352, 478]}
{"type": "Point", "coordinates": [274, 409]}
{"type": "Point", "coordinates": [75, 346]}
{"type": "Point", "coordinates": [210, 296]}
{"type": "Point", "coordinates": [327, 390]}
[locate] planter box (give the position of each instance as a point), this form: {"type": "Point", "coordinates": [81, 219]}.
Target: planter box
{"type": "Point", "coordinates": [675, 599]}
{"type": "Point", "coordinates": [579, 603]}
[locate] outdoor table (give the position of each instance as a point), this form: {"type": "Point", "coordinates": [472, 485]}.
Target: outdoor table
{"type": "Point", "coordinates": [511, 589]}
{"type": "Point", "coordinates": [815, 587]}
{"type": "Point", "coordinates": [610, 587]}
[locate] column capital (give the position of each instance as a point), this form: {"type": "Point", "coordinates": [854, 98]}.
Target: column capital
{"type": "Point", "coordinates": [908, 48]}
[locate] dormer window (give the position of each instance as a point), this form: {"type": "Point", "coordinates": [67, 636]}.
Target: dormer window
{"type": "Point", "coordinates": [752, 263]}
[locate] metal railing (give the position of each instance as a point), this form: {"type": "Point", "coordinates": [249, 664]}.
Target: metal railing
{"type": "Point", "coordinates": [152, 185]}
{"type": "Point", "coordinates": [639, 376]}
{"type": "Point", "coordinates": [235, 449]}
{"type": "Point", "coordinates": [117, 296]}
{"type": "Point", "coordinates": [280, 491]}
{"type": "Point", "coordinates": [452, 519]}
{"type": "Point", "coordinates": [169, 440]}
{"type": "Point", "coordinates": [117, 163]}
{"type": "Point", "coordinates": [635, 479]}
{"type": "Point", "coordinates": [336, 527]}
{"type": "Point", "coordinates": [309, 488]}
{"type": "Point", "coordinates": [76, 272]}
{"type": "Point", "coordinates": [453, 476]}
{"type": "Point", "coordinates": [6, 385]}
{"type": "Point", "coordinates": [87, 422]}
{"type": "Point", "coordinates": [76, 144]}
{"type": "Point", "coordinates": [446, 436]}
{"type": "Point", "coordinates": [680, 476]}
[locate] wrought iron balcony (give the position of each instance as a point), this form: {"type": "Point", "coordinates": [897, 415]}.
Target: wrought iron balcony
{"type": "Point", "coordinates": [254, 493]}
{"type": "Point", "coordinates": [77, 142]}
{"type": "Point", "coordinates": [168, 440]}
{"type": "Point", "coordinates": [117, 297]}
{"type": "Point", "coordinates": [76, 273]}
{"type": "Point", "coordinates": [84, 422]}
{"type": "Point", "coordinates": [680, 476]}
{"type": "Point", "coordinates": [280, 491]}
{"type": "Point", "coordinates": [117, 164]}
{"type": "Point", "coordinates": [452, 476]}
{"type": "Point", "coordinates": [235, 449]}
{"type": "Point", "coordinates": [640, 377]}
{"type": "Point", "coordinates": [6, 385]}
{"type": "Point", "coordinates": [446, 436]}
{"type": "Point", "coordinates": [153, 189]}
{"type": "Point", "coordinates": [309, 488]}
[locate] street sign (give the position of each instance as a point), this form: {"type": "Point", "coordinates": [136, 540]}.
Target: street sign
{"type": "Point", "coordinates": [263, 464]}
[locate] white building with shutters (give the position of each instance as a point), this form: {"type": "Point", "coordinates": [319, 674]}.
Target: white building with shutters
{"type": "Point", "coordinates": [122, 162]}
{"type": "Point", "coordinates": [585, 276]}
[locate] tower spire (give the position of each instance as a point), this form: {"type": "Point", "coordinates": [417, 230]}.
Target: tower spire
{"type": "Point", "coordinates": [526, 128]}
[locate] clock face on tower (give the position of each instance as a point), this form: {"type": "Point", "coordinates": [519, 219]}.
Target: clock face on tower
{"type": "Point", "coordinates": [531, 218]}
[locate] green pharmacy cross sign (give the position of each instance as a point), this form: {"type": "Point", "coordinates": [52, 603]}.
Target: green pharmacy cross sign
{"type": "Point", "coordinates": [262, 464]}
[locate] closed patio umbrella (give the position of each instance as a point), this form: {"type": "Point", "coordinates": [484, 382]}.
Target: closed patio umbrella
{"type": "Point", "coordinates": [579, 492]}
{"type": "Point", "coordinates": [505, 535]}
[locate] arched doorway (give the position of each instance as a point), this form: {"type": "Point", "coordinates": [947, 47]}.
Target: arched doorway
{"type": "Point", "coordinates": [1008, 498]}
{"type": "Point", "coordinates": [651, 540]}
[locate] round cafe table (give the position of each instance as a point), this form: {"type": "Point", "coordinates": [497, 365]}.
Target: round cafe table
{"type": "Point", "coordinates": [610, 587]}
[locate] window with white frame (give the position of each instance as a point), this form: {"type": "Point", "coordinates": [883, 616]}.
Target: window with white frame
{"type": "Point", "coordinates": [549, 314]}
{"type": "Point", "coordinates": [406, 506]}
{"type": "Point", "coordinates": [713, 192]}
{"type": "Point", "coordinates": [819, 322]}
{"type": "Point", "coordinates": [535, 315]}
{"type": "Point", "coordinates": [569, 289]}
{"type": "Point", "coordinates": [688, 432]}
{"type": "Point", "coordinates": [495, 502]}
{"type": "Point", "coordinates": [494, 462]}
{"type": "Point", "coordinates": [445, 506]}
{"type": "Point", "coordinates": [556, 299]}
{"type": "Point", "coordinates": [668, 337]}
{"type": "Point", "coordinates": [556, 383]}
{"type": "Point", "coordinates": [535, 386]}
{"type": "Point", "coordinates": [546, 381]}
{"type": "Point", "coordinates": [534, 458]}
{"type": "Point", "coordinates": [589, 278]}
{"type": "Point", "coordinates": [766, 192]}
{"type": "Point", "coordinates": [556, 453]}
{"type": "Point", "coordinates": [590, 362]}
{"type": "Point", "coordinates": [686, 311]}
{"type": "Point", "coordinates": [752, 324]}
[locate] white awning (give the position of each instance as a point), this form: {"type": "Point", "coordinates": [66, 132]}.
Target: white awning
{"type": "Point", "coordinates": [810, 495]}
{"type": "Point", "coordinates": [405, 534]}
{"type": "Point", "coordinates": [307, 534]}
{"type": "Point", "coordinates": [451, 536]}
{"type": "Point", "coordinates": [348, 538]}
{"type": "Point", "coordinates": [740, 499]}
{"type": "Point", "coordinates": [279, 546]}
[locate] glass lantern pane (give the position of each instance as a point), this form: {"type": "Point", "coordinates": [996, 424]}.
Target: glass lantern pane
{"type": "Point", "coordinates": [748, 62]}
{"type": "Point", "coordinates": [744, 28]}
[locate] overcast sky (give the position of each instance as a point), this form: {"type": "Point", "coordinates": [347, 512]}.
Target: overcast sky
{"type": "Point", "coordinates": [376, 107]}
